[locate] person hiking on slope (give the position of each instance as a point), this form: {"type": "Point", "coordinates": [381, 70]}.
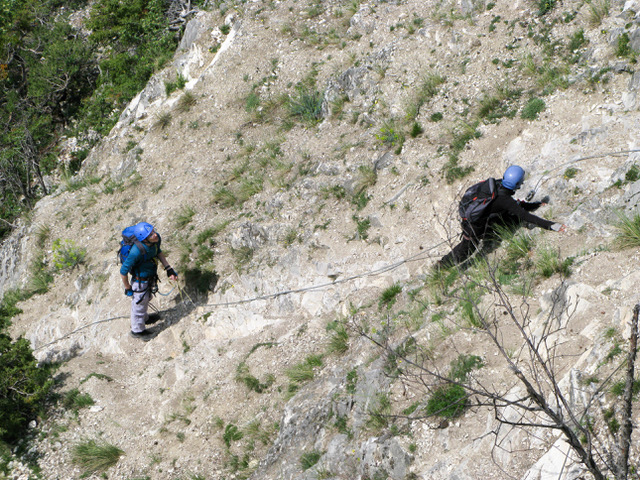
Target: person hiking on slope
{"type": "Point", "coordinates": [142, 265]}
{"type": "Point", "coordinates": [494, 206]}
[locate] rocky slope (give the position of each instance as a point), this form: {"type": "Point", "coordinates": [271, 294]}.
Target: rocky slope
{"type": "Point", "coordinates": [305, 224]}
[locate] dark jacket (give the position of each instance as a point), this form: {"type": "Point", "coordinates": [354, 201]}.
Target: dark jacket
{"type": "Point", "coordinates": [505, 207]}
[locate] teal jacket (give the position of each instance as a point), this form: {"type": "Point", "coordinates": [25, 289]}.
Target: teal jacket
{"type": "Point", "coordinates": [139, 264]}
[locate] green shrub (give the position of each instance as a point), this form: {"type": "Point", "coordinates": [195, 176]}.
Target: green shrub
{"type": "Point", "coordinates": [184, 216]}
{"type": "Point", "coordinates": [8, 308]}
{"type": "Point", "coordinates": [463, 365]}
{"type": "Point", "coordinates": [306, 105]}
{"type": "Point", "coordinates": [545, 6]}
{"type": "Point", "coordinates": [74, 400]}
{"type": "Point", "coordinates": [94, 456]}
{"type": "Point", "coordinates": [448, 401]}
{"type": "Point", "coordinates": [388, 297]}
{"type": "Point", "coordinates": [309, 459]}
{"type": "Point", "coordinates": [163, 120]}
{"type": "Point", "coordinates": [231, 434]}
{"type": "Point", "coordinates": [379, 412]}
{"type": "Point", "coordinates": [66, 255]}
{"type": "Point", "coordinates": [339, 338]}
{"type": "Point", "coordinates": [533, 107]}
{"type": "Point", "coordinates": [628, 231]}
{"type": "Point", "coordinates": [24, 386]}
{"type": "Point", "coordinates": [303, 372]}
{"type": "Point", "coordinates": [363, 226]}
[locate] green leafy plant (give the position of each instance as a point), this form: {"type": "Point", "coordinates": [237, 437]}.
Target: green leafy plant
{"type": "Point", "coordinates": [463, 365]}
{"type": "Point", "coordinates": [448, 401]}
{"type": "Point", "coordinates": [231, 434]}
{"type": "Point", "coordinates": [184, 216]}
{"type": "Point", "coordinates": [306, 105]}
{"type": "Point", "coordinates": [24, 385]}
{"type": "Point", "coordinates": [390, 135]}
{"type": "Point", "coordinates": [94, 456]}
{"type": "Point", "coordinates": [186, 102]}
{"type": "Point", "coordinates": [532, 109]}
{"type": "Point", "coordinates": [363, 226]}
{"type": "Point", "coordinates": [388, 297]}
{"type": "Point", "coordinates": [628, 230]}
{"type": "Point", "coordinates": [339, 338]}
{"type": "Point", "coordinates": [379, 412]}
{"type": "Point", "coordinates": [309, 459]}
{"type": "Point", "coordinates": [74, 400]}
{"type": "Point", "coordinates": [66, 255]}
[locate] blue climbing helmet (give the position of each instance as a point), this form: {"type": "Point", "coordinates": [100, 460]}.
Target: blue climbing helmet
{"type": "Point", "coordinates": [135, 235]}
{"type": "Point", "coordinates": [513, 177]}
{"type": "Point", "coordinates": [142, 230]}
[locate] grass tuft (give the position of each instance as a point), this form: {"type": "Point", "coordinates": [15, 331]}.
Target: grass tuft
{"type": "Point", "coordinates": [95, 457]}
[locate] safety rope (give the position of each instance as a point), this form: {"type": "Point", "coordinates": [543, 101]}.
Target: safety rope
{"type": "Point", "coordinates": [546, 176]}
{"type": "Point", "coordinates": [182, 292]}
{"type": "Point", "coordinates": [379, 271]}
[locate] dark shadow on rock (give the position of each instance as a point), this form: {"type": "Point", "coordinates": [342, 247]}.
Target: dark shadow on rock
{"type": "Point", "coordinates": [198, 284]}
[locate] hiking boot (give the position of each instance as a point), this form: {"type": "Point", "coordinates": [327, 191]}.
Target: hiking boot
{"type": "Point", "coordinates": [144, 335]}
{"type": "Point", "coordinates": [153, 318]}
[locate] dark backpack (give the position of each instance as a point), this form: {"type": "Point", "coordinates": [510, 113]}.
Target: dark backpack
{"type": "Point", "coordinates": [128, 241]}
{"type": "Point", "coordinates": [474, 203]}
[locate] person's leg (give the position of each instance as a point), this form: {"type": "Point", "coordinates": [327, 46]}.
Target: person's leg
{"type": "Point", "coordinates": [458, 254]}
{"type": "Point", "coordinates": [139, 306]}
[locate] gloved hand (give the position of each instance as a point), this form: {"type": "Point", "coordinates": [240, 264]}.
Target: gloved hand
{"type": "Point", "coordinates": [128, 292]}
{"type": "Point", "coordinates": [171, 272]}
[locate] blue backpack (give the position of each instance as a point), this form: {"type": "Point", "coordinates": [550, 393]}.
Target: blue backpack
{"type": "Point", "coordinates": [476, 199]}
{"type": "Point", "coordinates": [129, 240]}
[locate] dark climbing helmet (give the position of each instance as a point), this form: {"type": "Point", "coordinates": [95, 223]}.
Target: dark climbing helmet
{"type": "Point", "coordinates": [142, 230]}
{"type": "Point", "coordinates": [513, 177]}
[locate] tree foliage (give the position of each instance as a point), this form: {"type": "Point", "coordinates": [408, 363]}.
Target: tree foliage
{"type": "Point", "coordinates": [56, 80]}
{"type": "Point", "coordinates": [23, 387]}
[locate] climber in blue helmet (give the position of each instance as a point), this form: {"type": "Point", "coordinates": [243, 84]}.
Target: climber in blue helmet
{"type": "Point", "coordinates": [141, 263]}
{"type": "Point", "coordinates": [489, 204]}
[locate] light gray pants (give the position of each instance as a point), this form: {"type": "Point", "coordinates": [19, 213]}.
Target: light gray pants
{"type": "Point", "coordinates": [139, 305]}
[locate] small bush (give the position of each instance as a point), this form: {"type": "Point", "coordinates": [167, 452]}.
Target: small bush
{"type": "Point", "coordinates": [184, 216]}
{"type": "Point", "coordinates": [448, 401]}
{"type": "Point", "coordinates": [66, 255]}
{"type": "Point", "coordinates": [303, 372]}
{"type": "Point", "coordinates": [95, 457]}
{"type": "Point", "coordinates": [379, 412]}
{"type": "Point", "coordinates": [533, 107]}
{"type": "Point", "coordinates": [463, 365]}
{"type": "Point", "coordinates": [74, 400]}
{"type": "Point", "coordinates": [163, 120]}
{"type": "Point", "coordinates": [309, 459]}
{"type": "Point", "coordinates": [339, 338]}
{"type": "Point", "coordinates": [388, 297]}
{"type": "Point", "coordinates": [24, 386]}
{"type": "Point", "coordinates": [231, 434]}
{"type": "Point", "coordinates": [306, 105]}
{"type": "Point", "coordinates": [187, 100]}
{"type": "Point", "coordinates": [628, 231]}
